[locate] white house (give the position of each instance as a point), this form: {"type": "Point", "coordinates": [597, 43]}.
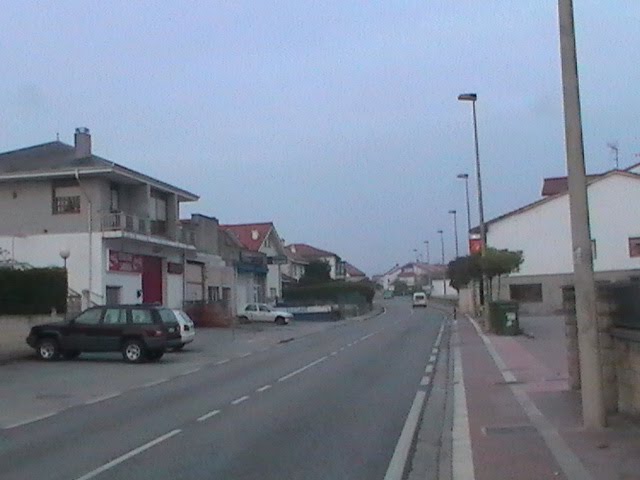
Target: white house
{"type": "Point", "coordinates": [263, 238]}
{"type": "Point", "coordinates": [541, 230]}
{"type": "Point", "coordinates": [116, 229]}
{"type": "Point", "coordinates": [310, 254]}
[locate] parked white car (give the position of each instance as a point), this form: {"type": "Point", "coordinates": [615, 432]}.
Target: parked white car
{"type": "Point", "coordinates": [187, 328]}
{"type": "Point", "coordinates": [260, 312]}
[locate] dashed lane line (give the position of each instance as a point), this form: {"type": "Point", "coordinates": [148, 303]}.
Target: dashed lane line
{"type": "Point", "coordinates": [263, 388]}
{"type": "Point", "coordinates": [240, 400]}
{"type": "Point", "coordinates": [302, 369]}
{"type": "Point", "coordinates": [426, 380]}
{"type": "Point", "coordinates": [154, 382]}
{"type": "Point", "coordinates": [221, 362]}
{"type": "Point", "coordinates": [103, 398]}
{"type": "Point", "coordinates": [429, 368]}
{"type": "Point", "coordinates": [206, 416]}
{"type": "Point", "coordinates": [128, 455]}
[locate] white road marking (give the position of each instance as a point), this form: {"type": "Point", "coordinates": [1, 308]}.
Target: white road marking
{"type": "Point", "coordinates": [245, 355]}
{"type": "Point", "coordinates": [302, 369]}
{"type": "Point", "coordinates": [368, 336]}
{"type": "Point", "coordinates": [220, 362]}
{"type": "Point", "coordinates": [262, 389]}
{"type": "Point", "coordinates": [432, 358]}
{"type": "Point", "coordinates": [426, 380]}
{"type": "Point", "coordinates": [31, 420]}
{"type": "Point", "coordinates": [208, 415]}
{"type": "Point", "coordinates": [355, 342]}
{"type": "Point", "coordinates": [128, 455]}
{"type": "Point", "coordinates": [396, 468]}
{"type": "Point", "coordinates": [240, 400]}
{"type": "Point", "coordinates": [334, 353]}
{"type": "Point", "coordinates": [103, 398]}
{"type": "Point", "coordinates": [189, 372]}
{"type": "Point", "coordinates": [154, 383]}
{"type": "Point", "coordinates": [429, 368]}
{"type": "Point", "coordinates": [461, 438]}
{"type": "Point", "coordinates": [435, 350]}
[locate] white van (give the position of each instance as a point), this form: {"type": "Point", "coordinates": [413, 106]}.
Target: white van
{"type": "Point", "coordinates": [419, 299]}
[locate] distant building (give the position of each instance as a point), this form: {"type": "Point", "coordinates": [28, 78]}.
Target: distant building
{"type": "Point", "coordinates": [310, 254]}
{"type": "Point", "coordinates": [353, 274]}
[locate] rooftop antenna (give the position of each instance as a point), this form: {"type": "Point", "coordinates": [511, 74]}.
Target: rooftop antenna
{"type": "Point", "coordinates": [613, 146]}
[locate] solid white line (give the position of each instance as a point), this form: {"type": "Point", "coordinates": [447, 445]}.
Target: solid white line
{"type": "Point", "coordinates": [396, 468]}
{"type": "Point", "coordinates": [154, 383]}
{"type": "Point", "coordinates": [432, 358]}
{"type": "Point", "coordinates": [262, 389]}
{"type": "Point", "coordinates": [208, 415]}
{"type": "Point", "coordinates": [31, 420]}
{"type": "Point", "coordinates": [570, 464]}
{"type": "Point", "coordinates": [429, 368]}
{"type": "Point", "coordinates": [302, 369]}
{"type": "Point", "coordinates": [127, 456]}
{"type": "Point", "coordinates": [220, 362]}
{"type": "Point", "coordinates": [102, 398]}
{"type": "Point", "coordinates": [461, 437]}
{"type": "Point", "coordinates": [240, 400]}
{"type": "Point", "coordinates": [426, 380]}
{"type": "Point", "coordinates": [189, 372]}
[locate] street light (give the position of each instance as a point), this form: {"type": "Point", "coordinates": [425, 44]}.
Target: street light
{"type": "Point", "coordinates": [465, 177]}
{"type": "Point", "coordinates": [472, 97]}
{"type": "Point", "coordinates": [65, 254]}
{"type": "Point", "coordinates": [455, 229]}
{"type": "Point", "coordinates": [444, 278]}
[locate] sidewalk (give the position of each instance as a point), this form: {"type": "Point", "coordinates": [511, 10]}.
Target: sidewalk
{"type": "Point", "coordinates": [524, 422]}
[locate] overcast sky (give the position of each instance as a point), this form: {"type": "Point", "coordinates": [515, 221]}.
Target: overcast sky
{"type": "Point", "coordinates": [336, 120]}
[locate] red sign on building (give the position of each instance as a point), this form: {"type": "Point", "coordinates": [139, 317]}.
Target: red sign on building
{"type": "Point", "coordinates": [124, 262]}
{"type": "Point", "coordinates": [475, 244]}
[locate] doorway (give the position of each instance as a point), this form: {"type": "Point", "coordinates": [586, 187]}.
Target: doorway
{"type": "Point", "coordinates": [151, 279]}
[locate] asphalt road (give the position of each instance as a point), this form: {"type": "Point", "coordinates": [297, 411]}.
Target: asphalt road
{"type": "Point", "coordinates": [329, 405]}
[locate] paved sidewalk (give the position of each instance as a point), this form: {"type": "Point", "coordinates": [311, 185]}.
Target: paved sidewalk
{"type": "Point", "coordinates": [524, 422]}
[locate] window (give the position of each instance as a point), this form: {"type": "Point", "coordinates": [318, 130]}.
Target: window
{"type": "Point", "coordinates": [528, 292]}
{"type": "Point", "coordinates": [115, 316]}
{"type": "Point", "coordinates": [141, 316]}
{"type": "Point", "coordinates": [267, 242]}
{"type": "Point", "coordinates": [273, 292]}
{"type": "Point", "coordinates": [264, 308]}
{"type": "Point", "coordinates": [214, 294]}
{"type": "Point", "coordinates": [113, 295]}
{"type": "Point", "coordinates": [634, 247]}
{"type": "Point", "coordinates": [251, 308]}
{"type": "Point", "coordinates": [89, 317]}
{"type": "Point", "coordinates": [115, 199]}
{"type": "Point", "coordinates": [65, 197]}
{"type": "Point", "coordinates": [158, 215]}
{"type": "Point", "coordinates": [167, 316]}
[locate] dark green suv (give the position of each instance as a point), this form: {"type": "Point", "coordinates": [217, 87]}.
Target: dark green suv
{"type": "Point", "coordinates": [140, 332]}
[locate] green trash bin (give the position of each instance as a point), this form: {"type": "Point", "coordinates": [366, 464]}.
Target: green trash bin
{"type": "Point", "coordinates": [503, 318]}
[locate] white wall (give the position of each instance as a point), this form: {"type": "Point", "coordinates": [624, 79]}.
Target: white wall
{"type": "Point", "coordinates": [543, 233]}
{"type": "Point", "coordinates": [129, 283]}
{"type": "Point", "coordinates": [174, 292]}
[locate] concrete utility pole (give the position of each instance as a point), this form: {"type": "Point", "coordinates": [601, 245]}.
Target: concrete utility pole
{"type": "Point", "coordinates": [593, 411]}
{"type": "Point", "coordinates": [455, 230]}
{"type": "Point", "coordinates": [444, 278]}
{"type": "Point", "coordinates": [465, 177]}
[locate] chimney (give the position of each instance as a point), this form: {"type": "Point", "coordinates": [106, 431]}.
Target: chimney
{"type": "Point", "coordinates": [82, 142]}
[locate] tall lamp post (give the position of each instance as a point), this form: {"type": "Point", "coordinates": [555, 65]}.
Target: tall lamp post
{"type": "Point", "coordinates": [426, 242]}
{"type": "Point", "coordinates": [455, 230]}
{"type": "Point", "coordinates": [444, 278]}
{"type": "Point", "coordinates": [65, 254]}
{"type": "Point", "coordinates": [593, 405]}
{"type": "Point", "coordinates": [472, 97]}
{"type": "Point", "coordinates": [465, 177]}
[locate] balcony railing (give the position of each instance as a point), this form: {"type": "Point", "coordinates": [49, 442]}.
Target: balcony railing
{"type": "Point", "coordinates": [132, 223]}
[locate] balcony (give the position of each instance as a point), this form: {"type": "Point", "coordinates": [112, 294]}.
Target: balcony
{"type": "Point", "coordinates": [120, 221]}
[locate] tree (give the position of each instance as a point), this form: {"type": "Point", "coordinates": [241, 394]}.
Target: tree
{"type": "Point", "coordinates": [496, 263]}
{"type": "Point", "coordinates": [463, 270]}
{"type": "Point", "coordinates": [316, 272]}
{"type": "Point", "coordinates": [400, 288]}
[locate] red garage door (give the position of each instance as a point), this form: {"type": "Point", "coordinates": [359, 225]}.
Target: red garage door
{"type": "Point", "coordinates": [151, 279]}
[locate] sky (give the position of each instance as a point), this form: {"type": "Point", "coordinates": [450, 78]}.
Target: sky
{"type": "Point", "coordinates": [336, 120]}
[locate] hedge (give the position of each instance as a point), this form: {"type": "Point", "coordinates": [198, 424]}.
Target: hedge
{"type": "Point", "coordinates": [334, 292]}
{"type": "Point", "coordinates": [33, 291]}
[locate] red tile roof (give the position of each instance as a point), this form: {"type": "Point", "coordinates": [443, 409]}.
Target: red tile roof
{"type": "Point", "coordinates": [251, 235]}
{"type": "Point", "coordinates": [308, 252]}
{"type": "Point", "coordinates": [353, 271]}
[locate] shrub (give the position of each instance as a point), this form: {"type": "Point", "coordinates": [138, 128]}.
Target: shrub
{"type": "Point", "coordinates": [331, 292]}
{"type": "Point", "coordinates": [33, 291]}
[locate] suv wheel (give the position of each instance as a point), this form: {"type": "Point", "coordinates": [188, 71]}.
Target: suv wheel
{"type": "Point", "coordinates": [48, 349]}
{"type": "Point", "coordinates": [133, 351]}
{"type": "Point", "coordinates": [280, 321]}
